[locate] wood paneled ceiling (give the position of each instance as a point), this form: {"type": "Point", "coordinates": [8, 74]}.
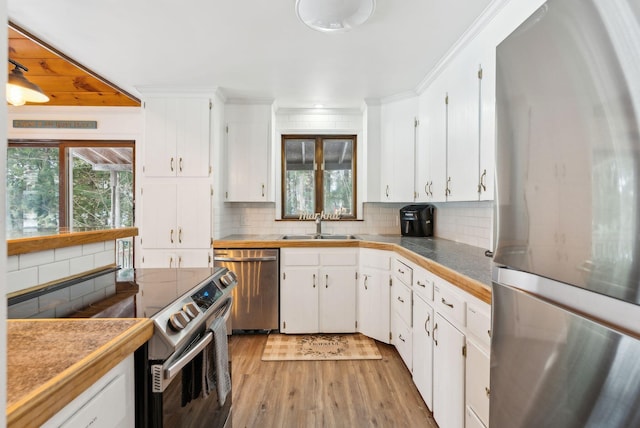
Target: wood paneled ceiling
{"type": "Point", "coordinates": [66, 82]}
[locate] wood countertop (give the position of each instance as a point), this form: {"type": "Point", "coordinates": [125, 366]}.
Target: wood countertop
{"type": "Point", "coordinates": [52, 361]}
{"type": "Point", "coordinates": [65, 238]}
{"type": "Point", "coordinates": [462, 265]}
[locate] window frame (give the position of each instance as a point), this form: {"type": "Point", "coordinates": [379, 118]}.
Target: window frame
{"type": "Point", "coordinates": [318, 172]}
{"type": "Point", "coordinates": [63, 176]}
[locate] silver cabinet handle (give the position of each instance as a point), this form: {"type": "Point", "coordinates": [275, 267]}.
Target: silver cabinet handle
{"type": "Point", "coordinates": [421, 284]}
{"type": "Point", "coordinates": [447, 191]}
{"type": "Point", "coordinates": [365, 282]}
{"type": "Point", "coordinates": [426, 325]}
{"type": "Point", "coordinates": [401, 338]}
{"type": "Point", "coordinates": [481, 185]}
{"type": "Point", "coordinates": [180, 163]}
{"type": "Point", "coordinates": [435, 328]}
{"type": "Point", "coordinates": [170, 262]}
{"type": "Point", "coordinates": [487, 391]}
{"type": "Point", "coordinates": [430, 190]}
{"type": "Point", "coordinates": [263, 190]}
{"type": "Point", "coordinates": [180, 235]}
{"type": "Point", "coordinates": [314, 280]}
{"type": "Point", "coordinates": [387, 191]}
{"type": "Point", "coordinates": [444, 302]}
{"type": "Point", "coordinates": [171, 235]}
{"type": "Point", "coordinates": [400, 299]}
{"type": "Point", "coordinates": [179, 261]}
{"type": "Point", "coordinates": [326, 281]}
{"type": "Point", "coordinates": [171, 164]}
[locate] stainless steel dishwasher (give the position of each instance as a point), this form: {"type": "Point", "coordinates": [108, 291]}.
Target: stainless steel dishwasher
{"type": "Point", "coordinates": [255, 299]}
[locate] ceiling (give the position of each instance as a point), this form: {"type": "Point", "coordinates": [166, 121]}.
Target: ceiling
{"type": "Point", "coordinates": [252, 49]}
{"type": "Point", "coordinates": [64, 82]}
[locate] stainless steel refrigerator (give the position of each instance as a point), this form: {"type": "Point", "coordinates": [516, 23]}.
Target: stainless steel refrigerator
{"type": "Point", "coordinates": [565, 348]}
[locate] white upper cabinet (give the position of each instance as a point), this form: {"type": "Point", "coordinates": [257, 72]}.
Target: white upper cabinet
{"type": "Point", "coordinates": [177, 137]}
{"type": "Point", "coordinates": [431, 145]}
{"type": "Point", "coordinates": [399, 121]}
{"type": "Point", "coordinates": [248, 147]}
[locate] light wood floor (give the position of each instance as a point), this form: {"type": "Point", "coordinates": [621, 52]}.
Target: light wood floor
{"type": "Point", "coordinates": [363, 393]}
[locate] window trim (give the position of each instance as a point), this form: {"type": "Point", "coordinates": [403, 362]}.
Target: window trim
{"type": "Point", "coordinates": [318, 177]}
{"type": "Point", "coordinates": [63, 145]}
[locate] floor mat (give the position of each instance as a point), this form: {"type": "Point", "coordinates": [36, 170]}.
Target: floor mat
{"type": "Point", "coordinates": [285, 347]}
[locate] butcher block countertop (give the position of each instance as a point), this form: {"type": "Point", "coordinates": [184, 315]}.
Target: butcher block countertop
{"type": "Point", "coordinates": [65, 238]}
{"type": "Point", "coordinates": [464, 266]}
{"type": "Point", "coordinates": [52, 361]}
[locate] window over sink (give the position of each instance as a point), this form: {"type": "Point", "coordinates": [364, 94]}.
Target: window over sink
{"type": "Point", "coordinates": [318, 175]}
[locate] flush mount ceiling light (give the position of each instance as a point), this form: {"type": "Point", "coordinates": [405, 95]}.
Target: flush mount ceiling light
{"type": "Point", "coordinates": [20, 90]}
{"type": "Point", "coordinates": [331, 16]}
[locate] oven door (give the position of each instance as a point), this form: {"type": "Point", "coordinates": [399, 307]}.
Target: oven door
{"type": "Point", "coordinates": [181, 402]}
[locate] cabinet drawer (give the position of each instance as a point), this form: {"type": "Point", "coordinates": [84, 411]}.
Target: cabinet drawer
{"type": "Point", "coordinates": [423, 284]}
{"type": "Point", "coordinates": [401, 302]}
{"type": "Point", "coordinates": [339, 259]}
{"type": "Point", "coordinates": [294, 258]}
{"type": "Point", "coordinates": [449, 304]}
{"type": "Point", "coordinates": [378, 259]}
{"type": "Point", "coordinates": [403, 272]}
{"type": "Point", "coordinates": [402, 339]}
{"type": "Point", "coordinates": [479, 325]}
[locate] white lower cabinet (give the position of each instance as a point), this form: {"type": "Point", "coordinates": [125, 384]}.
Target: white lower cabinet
{"type": "Point", "coordinates": [318, 290]}
{"type": "Point", "coordinates": [472, 420]}
{"type": "Point", "coordinates": [177, 258]}
{"type": "Point", "coordinates": [423, 349]}
{"type": "Point", "coordinates": [448, 374]}
{"type": "Point", "coordinates": [108, 403]}
{"type": "Point", "coordinates": [373, 294]}
{"type": "Point", "coordinates": [477, 382]}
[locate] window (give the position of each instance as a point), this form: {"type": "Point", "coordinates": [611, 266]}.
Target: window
{"type": "Point", "coordinates": [318, 175]}
{"type": "Point", "coordinates": [52, 185]}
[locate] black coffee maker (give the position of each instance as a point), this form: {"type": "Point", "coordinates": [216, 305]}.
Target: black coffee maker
{"type": "Point", "coordinates": [417, 220]}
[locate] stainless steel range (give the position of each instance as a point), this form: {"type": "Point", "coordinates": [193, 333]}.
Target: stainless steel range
{"type": "Point", "coordinates": [189, 370]}
{"type": "Point", "coordinates": [183, 374]}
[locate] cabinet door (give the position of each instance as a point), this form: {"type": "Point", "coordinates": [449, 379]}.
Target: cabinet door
{"type": "Point", "coordinates": [159, 259]}
{"type": "Point", "coordinates": [248, 162]}
{"type": "Point", "coordinates": [192, 120]}
{"type": "Point", "coordinates": [158, 226]}
{"type": "Point", "coordinates": [487, 122]}
{"type": "Point", "coordinates": [398, 150]}
{"type": "Point", "coordinates": [423, 350]}
{"type": "Point", "coordinates": [402, 339]}
{"type": "Point", "coordinates": [448, 374]}
{"type": "Point", "coordinates": [299, 300]}
{"type": "Point", "coordinates": [434, 127]}
{"type": "Point", "coordinates": [160, 138]}
{"type": "Point", "coordinates": [337, 300]}
{"type": "Point", "coordinates": [194, 258]}
{"type": "Point", "coordinates": [193, 223]}
{"type": "Point", "coordinates": [373, 304]}
{"type": "Point", "coordinates": [477, 381]}
{"type": "Point", "coordinates": [463, 128]}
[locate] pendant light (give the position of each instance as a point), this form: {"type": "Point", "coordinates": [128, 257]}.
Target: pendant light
{"type": "Point", "coordinates": [334, 15]}
{"type": "Point", "coordinates": [20, 90]}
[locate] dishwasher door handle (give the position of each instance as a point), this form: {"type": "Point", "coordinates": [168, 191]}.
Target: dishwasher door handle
{"type": "Point", "coordinates": [245, 259]}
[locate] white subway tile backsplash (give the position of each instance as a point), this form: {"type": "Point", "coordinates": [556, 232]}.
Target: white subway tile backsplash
{"type": "Point", "coordinates": [82, 289]}
{"type": "Point", "coordinates": [81, 264]}
{"type": "Point", "coordinates": [21, 279]}
{"type": "Point", "coordinates": [96, 296]}
{"type": "Point", "coordinates": [109, 245]}
{"type": "Point", "coordinates": [53, 271]}
{"type": "Point", "coordinates": [93, 248]}
{"type": "Point", "coordinates": [104, 258]}
{"type": "Point", "coordinates": [67, 252]}
{"type": "Point", "coordinates": [13, 263]}
{"type": "Point", "coordinates": [35, 259]}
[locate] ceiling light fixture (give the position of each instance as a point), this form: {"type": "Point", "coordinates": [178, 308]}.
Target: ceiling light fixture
{"type": "Point", "coordinates": [20, 90]}
{"type": "Point", "coordinates": [331, 16]}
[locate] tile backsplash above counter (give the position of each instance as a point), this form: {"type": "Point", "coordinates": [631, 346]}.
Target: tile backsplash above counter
{"type": "Point", "coordinates": [465, 222]}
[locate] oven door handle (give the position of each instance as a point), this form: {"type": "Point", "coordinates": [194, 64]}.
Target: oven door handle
{"type": "Point", "coordinates": [176, 366]}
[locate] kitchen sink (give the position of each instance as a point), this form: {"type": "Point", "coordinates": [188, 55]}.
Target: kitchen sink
{"type": "Point", "coordinates": [321, 236]}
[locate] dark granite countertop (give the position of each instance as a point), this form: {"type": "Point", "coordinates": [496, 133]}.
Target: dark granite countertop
{"type": "Point", "coordinates": [465, 266]}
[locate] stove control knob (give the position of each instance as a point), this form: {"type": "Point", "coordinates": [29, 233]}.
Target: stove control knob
{"type": "Point", "coordinates": [191, 309]}
{"type": "Point", "coordinates": [179, 320]}
{"type": "Point", "coordinates": [228, 279]}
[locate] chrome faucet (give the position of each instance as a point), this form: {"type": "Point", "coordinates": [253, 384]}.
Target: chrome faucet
{"type": "Point", "coordinates": [318, 225]}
